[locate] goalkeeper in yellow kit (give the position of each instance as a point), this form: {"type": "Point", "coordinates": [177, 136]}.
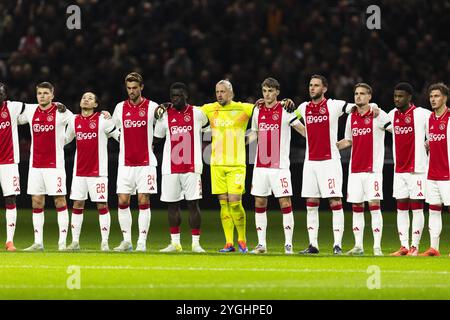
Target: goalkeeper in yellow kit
{"type": "Point", "coordinates": [228, 120]}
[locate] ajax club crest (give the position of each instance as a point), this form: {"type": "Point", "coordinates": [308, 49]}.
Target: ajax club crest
{"type": "Point", "coordinates": [408, 119]}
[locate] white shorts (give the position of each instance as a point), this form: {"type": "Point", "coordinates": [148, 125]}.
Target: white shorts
{"type": "Point", "coordinates": [268, 180]}
{"type": "Point", "coordinates": [9, 179]}
{"type": "Point", "coordinates": [49, 181]}
{"type": "Point", "coordinates": [409, 185]}
{"type": "Point", "coordinates": [364, 186]}
{"type": "Point", "coordinates": [322, 179]}
{"type": "Point", "coordinates": [97, 187]}
{"type": "Point", "coordinates": [178, 186]}
{"type": "Point", "coordinates": [141, 179]}
{"type": "Point", "coordinates": [438, 192]}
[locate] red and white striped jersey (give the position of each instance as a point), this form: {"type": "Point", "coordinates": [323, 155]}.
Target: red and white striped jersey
{"type": "Point", "coordinates": [183, 132]}
{"type": "Point", "coordinates": [47, 135]}
{"type": "Point", "coordinates": [91, 133]}
{"type": "Point", "coordinates": [136, 125]}
{"type": "Point", "coordinates": [274, 136]}
{"type": "Point", "coordinates": [438, 131]}
{"type": "Point", "coordinates": [367, 136]}
{"type": "Point", "coordinates": [321, 123]}
{"type": "Point", "coordinates": [408, 143]}
{"type": "Point", "coordinates": [9, 140]}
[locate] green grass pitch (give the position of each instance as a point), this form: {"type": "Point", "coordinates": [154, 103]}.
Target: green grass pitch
{"type": "Point", "coordinates": [234, 276]}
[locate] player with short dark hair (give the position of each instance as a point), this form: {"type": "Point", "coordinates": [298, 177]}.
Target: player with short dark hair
{"type": "Point", "coordinates": [409, 124]}
{"type": "Point", "coordinates": [181, 126]}
{"type": "Point", "coordinates": [271, 126]}
{"type": "Point", "coordinates": [438, 178]}
{"type": "Point", "coordinates": [137, 163]}
{"type": "Point", "coordinates": [90, 169]}
{"type": "Point", "coordinates": [364, 133]}
{"type": "Point", "coordinates": [47, 175]}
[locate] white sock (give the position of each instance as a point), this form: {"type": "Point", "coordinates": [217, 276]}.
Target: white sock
{"type": "Point", "coordinates": [77, 221]}
{"type": "Point", "coordinates": [11, 217]}
{"type": "Point", "coordinates": [403, 227]}
{"type": "Point", "coordinates": [261, 225]}
{"type": "Point", "coordinates": [105, 224]}
{"type": "Point", "coordinates": [38, 225]}
{"type": "Point", "coordinates": [63, 224]}
{"type": "Point", "coordinates": [175, 238]}
{"type": "Point", "coordinates": [288, 225]}
{"type": "Point", "coordinates": [435, 227]}
{"type": "Point", "coordinates": [377, 225]}
{"type": "Point", "coordinates": [144, 222]}
{"type": "Point", "coordinates": [338, 224]}
{"type": "Point", "coordinates": [418, 222]}
{"type": "Point", "coordinates": [358, 225]}
{"type": "Point", "coordinates": [125, 222]}
{"type": "Point", "coordinates": [312, 223]}
{"type": "Point", "coordinates": [196, 239]}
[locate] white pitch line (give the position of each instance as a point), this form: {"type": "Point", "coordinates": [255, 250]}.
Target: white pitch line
{"type": "Point", "coordinates": [161, 268]}
{"type": "Point", "coordinates": [282, 286]}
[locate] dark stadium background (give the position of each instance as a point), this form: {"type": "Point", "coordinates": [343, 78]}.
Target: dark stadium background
{"type": "Point", "coordinates": [200, 42]}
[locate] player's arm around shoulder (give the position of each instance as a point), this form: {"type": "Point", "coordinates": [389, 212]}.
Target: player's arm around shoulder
{"type": "Point", "coordinates": [109, 127]}
{"type": "Point", "coordinates": [252, 135]}
{"type": "Point", "coordinates": [294, 119]}
{"type": "Point", "coordinates": [64, 113]}
{"type": "Point", "coordinates": [347, 141]}
{"type": "Point", "coordinates": [117, 114]}
{"type": "Point", "coordinates": [390, 116]}
{"type": "Point", "coordinates": [70, 131]}
{"type": "Point", "coordinates": [202, 119]}
{"type": "Point", "coordinates": [160, 131]}
{"type": "Point", "coordinates": [26, 114]}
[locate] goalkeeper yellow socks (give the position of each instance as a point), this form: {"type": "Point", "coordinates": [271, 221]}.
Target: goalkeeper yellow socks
{"type": "Point", "coordinates": [238, 214]}
{"type": "Point", "coordinates": [227, 221]}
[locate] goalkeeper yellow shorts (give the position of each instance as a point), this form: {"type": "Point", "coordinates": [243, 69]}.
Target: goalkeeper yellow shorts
{"type": "Point", "coordinates": [228, 179]}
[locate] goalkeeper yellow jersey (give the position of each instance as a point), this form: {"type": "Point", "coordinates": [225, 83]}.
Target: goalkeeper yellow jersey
{"type": "Point", "coordinates": [228, 125]}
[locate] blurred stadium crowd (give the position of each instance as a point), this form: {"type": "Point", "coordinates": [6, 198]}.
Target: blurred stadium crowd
{"type": "Point", "coordinates": [203, 41]}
